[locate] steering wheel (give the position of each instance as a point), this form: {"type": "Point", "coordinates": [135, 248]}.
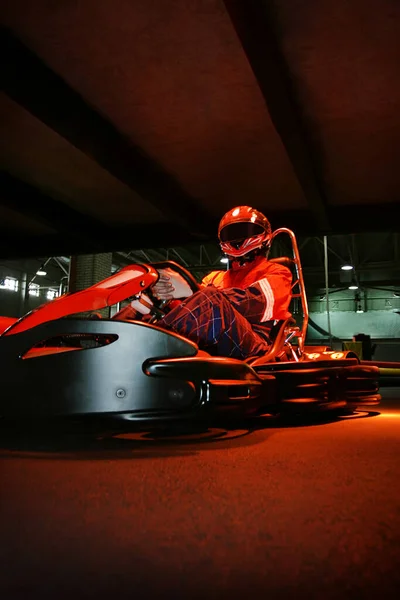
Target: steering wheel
{"type": "Point", "coordinates": [161, 305]}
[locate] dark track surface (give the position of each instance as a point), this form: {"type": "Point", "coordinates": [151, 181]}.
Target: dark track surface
{"type": "Point", "coordinates": [309, 511]}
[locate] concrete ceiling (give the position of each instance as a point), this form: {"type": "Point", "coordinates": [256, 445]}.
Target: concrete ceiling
{"type": "Point", "coordinates": [137, 124]}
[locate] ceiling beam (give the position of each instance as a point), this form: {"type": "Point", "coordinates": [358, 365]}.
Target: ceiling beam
{"type": "Point", "coordinates": [89, 238]}
{"type": "Point", "coordinates": [27, 200]}
{"type": "Point", "coordinates": [34, 86]}
{"type": "Point", "coordinates": [339, 285]}
{"type": "Point", "coordinates": [14, 245]}
{"type": "Point", "coordinates": [365, 218]}
{"type": "Point", "coordinates": [254, 27]}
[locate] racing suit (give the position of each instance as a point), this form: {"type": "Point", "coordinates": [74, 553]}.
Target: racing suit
{"type": "Point", "coordinates": [220, 317]}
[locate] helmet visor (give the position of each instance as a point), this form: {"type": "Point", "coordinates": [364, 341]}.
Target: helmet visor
{"type": "Point", "coordinates": [237, 232]}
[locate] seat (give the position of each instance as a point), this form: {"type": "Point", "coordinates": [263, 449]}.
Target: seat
{"type": "Point", "coordinates": [286, 261]}
{"type": "Point", "coordinates": [277, 334]}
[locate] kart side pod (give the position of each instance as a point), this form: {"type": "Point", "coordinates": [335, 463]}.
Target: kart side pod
{"type": "Point", "coordinates": [39, 379]}
{"type": "Point", "coordinates": [131, 370]}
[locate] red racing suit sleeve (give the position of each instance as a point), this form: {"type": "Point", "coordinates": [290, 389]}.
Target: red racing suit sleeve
{"type": "Point", "coordinates": [264, 300]}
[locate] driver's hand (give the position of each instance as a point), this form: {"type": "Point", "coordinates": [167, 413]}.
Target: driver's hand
{"type": "Point", "coordinates": [170, 286]}
{"type": "Point", "coordinates": [143, 304]}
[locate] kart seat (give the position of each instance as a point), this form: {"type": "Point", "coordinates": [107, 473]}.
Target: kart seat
{"type": "Point", "coordinates": [286, 261]}
{"type": "Point", "coordinates": [276, 334]}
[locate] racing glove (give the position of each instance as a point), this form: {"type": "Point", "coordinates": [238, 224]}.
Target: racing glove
{"type": "Point", "coordinates": [142, 304]}
{"type": "Point", "coordinates": [171, 285]}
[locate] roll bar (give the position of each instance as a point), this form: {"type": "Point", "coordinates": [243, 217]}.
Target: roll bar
{"type": "Point", "coordinates": [298, 287]}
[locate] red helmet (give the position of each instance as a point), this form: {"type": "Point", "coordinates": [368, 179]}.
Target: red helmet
{"type": "Point", "coordinates": [242, 230]}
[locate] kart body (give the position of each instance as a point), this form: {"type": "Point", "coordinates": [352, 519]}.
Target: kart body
{"type": "Point", "coordinates": [58, 363]}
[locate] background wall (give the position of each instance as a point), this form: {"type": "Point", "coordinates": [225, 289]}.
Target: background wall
{"type": "Point", "coordinates": [10, 304]}
{"type": "Point", "coordinates": [17, 303]}
{"type": "Point", "coordinates": [379, 324]}
{"type": "Point", "coordinates": [380, 320]}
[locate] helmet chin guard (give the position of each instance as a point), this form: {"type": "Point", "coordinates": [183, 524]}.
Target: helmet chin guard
{"type": "Point", "coordinates": [242, 232]}
{"type": "Point", "coordinates": [240, 261]}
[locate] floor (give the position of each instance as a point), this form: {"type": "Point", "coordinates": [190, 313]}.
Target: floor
{"type": "Point", "coordinates": [307, 510]}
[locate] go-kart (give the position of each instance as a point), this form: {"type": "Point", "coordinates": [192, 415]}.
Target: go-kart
{"type": "Point", "coordinates": [59, 361]}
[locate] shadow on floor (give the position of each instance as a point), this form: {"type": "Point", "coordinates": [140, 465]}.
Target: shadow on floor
{"type": "Point", "coordinates": [99, 442]}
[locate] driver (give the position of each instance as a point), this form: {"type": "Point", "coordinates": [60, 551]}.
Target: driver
{"type": "Point", "coordinates": [222, 317]}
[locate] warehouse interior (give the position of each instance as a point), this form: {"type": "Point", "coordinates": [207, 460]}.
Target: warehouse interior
{"type": "Point", "coordinates": [128, 129]}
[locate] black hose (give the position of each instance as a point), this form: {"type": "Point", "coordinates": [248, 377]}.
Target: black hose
{"type": "Point", "coordinates": [322, 331]}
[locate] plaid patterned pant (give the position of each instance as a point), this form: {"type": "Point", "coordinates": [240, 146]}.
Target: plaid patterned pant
{"type": "Point", "coordinates": [209, 319]}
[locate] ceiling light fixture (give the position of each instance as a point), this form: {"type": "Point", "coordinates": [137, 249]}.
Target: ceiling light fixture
{"type": "Point", "coordinates": [224, 260]}
{"type": "Point", "coordinates": [347, 267]}
{"type": "Point", "coordinates": [41, 272]}
{"type": "Point", "coordinates": [353, 287]}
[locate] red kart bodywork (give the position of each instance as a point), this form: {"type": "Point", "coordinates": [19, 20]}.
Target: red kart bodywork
{"type": "Point", "coordinates": [129, 281]}
{"type": "Point", "coordinates": [6, 322]}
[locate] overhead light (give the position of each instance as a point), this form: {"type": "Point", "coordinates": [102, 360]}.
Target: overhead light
{"type": "Point", "coordinates": [41, 272]}
{"type": "Point", "coordinates": [353, 287]}
{"type": "Point", "coordinates": [224, 260]}
{"type": "Point", "coordinates": [347, 267]}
